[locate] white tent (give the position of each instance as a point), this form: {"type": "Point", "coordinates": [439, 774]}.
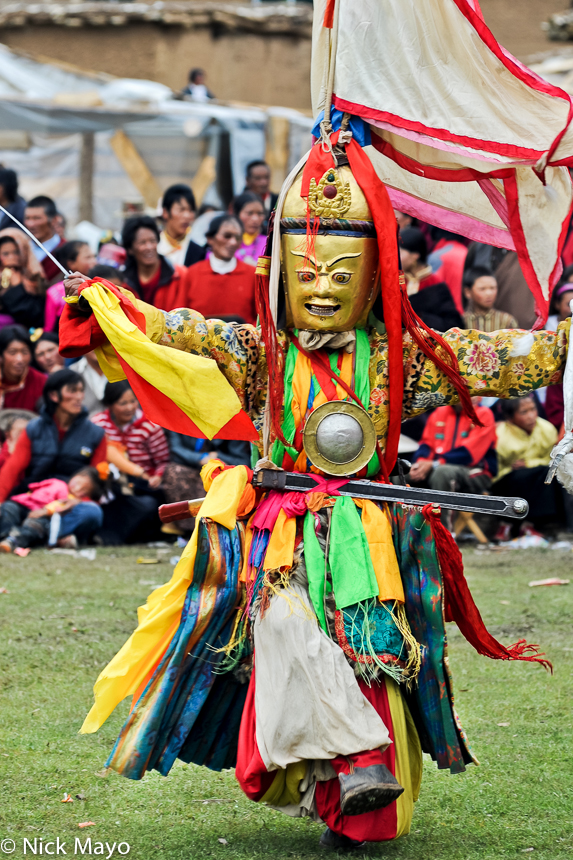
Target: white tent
{"type": "Point", "coordinates": [93, 142]}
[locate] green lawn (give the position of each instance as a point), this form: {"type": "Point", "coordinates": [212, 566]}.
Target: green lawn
{"type": "Point", "coordinates": [64, 618]}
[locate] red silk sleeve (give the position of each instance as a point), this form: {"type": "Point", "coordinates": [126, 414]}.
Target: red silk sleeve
{"type": "Point", "coordinates": [78, 334]}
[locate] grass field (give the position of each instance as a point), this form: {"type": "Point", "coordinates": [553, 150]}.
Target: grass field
{"type": "Point", "coordinates": [64, 618]}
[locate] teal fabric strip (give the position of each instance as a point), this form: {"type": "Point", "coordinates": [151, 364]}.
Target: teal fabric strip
{"type": "Point", "coordinates": [353, 578]}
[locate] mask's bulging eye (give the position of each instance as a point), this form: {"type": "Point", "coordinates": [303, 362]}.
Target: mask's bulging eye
{"type": "Point", "coordinates": [306, 277]}
{"type": "Point", "coordinates": [341, 278]}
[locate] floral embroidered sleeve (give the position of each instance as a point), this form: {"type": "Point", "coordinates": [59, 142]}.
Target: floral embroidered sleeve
{"type": "Point", "coordinates": [500, 364]}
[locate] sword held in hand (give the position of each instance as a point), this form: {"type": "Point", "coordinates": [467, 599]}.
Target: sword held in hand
{"type": "Point", "coordinates": [37, 241]}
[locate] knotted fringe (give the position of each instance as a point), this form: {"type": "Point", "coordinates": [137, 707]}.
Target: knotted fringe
{"type": "Point", "coordinates": [414, 661]}
{"type": "Point", "coordinates": [367, 657]}
{"type": "Point", "coordinates": [438, 351]}
{"type": "Point", "coordinates": [459, 605]}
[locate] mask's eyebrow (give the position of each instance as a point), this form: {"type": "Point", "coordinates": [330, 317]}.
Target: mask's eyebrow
{"type": "Point", "coordinates": [342, 257]}
{"type": "Point", "coordinates": [308, 257]}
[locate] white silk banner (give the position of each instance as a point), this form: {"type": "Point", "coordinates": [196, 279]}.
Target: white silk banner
{"type": "Point", "coordinates": [463, 134]}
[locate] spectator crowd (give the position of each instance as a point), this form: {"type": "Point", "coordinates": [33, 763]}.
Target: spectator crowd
{"type": "Point", "coordinates": [79, 460]}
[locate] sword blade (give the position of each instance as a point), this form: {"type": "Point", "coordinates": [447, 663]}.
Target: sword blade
{"type": "Point", "coordinates": [37, 241]}
{"type": "Point", "coordinates": [501, 506]}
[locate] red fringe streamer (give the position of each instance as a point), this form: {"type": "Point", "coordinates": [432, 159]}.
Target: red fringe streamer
{"type": "Point", "coordinates": [459, 604]}
{"type": "Point", "coordinates": [274, 356]}
{"type": "Point", "coordinates": [430, 341]}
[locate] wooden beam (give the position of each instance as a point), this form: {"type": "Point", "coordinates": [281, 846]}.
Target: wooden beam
{"type": "Point", "coordinates": [277, 150]}
{"type": "Point", "coordinates": [136, 168]}
{"type": "Point", "coordinates": [204, 178]}
{"type": "Point", "coordinates": [86, 209]}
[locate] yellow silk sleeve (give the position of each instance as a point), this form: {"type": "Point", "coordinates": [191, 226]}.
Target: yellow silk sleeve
{"type": "Point", "coordinates": [193, 382]}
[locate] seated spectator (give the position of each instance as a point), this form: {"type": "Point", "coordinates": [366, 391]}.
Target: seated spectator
{"type": "Point", "coordinates": [47, 353]}
{"type": "Point", "coordinates": [251, 213]}
{"type": "Point", "coordinates": [179, 208]}
{"type": "Point", "coordinates": [54, 512]}
{"type": "Point", "coordinates": [9, 197]}
{"type": "Point", "coordinates": [429, 295]}
{"type": "Point", "coordinates": [513, 293]}
{"type": "Point", "coordinates": [454, 454]}
{"type": "Point", "coordinates": [21, 385]}
{"type": "Point", "coordinates": [40, 219]}
{"type": "Point", "coordinates": [258, 180]}
{"type": "Point", "coordinates": [222, 286]}
{"type": "Point", "coordinates": [447, 261]}
{"type": "Point", "coordinates": [138, 449]}
{"type": "Point", "coordinates": [10, 263]}
{"type": "Point", "coordinates": [559, 306]}
{"type": "Point", "coordinates": [74, 256]}
{"type": "Point", "coordinates": [559, 310]}
{"type": "Point", "coordinates": [480, 292]}
{"type": "Point", "coordinates": [22, 296]}
{"type": "Point", "coordinates": [57, 444]}
{"type": "Point", "coordinates": [147, 274]}
{"type": "Point", "coordinates": [524, 444]}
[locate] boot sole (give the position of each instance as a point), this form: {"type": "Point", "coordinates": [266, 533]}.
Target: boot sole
{"type": "Point", "coordinates": [370, 799]}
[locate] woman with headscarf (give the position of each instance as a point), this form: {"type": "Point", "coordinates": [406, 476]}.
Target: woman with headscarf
{"type": "Point", "coordinates": [22, 292]}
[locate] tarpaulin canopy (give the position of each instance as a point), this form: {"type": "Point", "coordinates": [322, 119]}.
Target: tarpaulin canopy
{"type": "Point", "coordinates": [462, 134]}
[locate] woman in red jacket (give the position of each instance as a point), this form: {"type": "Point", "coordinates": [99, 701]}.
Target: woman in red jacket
{"type": "Point", "coordinates": [147, 274]}
{"type": "Point", "coordinates": [222, 286]}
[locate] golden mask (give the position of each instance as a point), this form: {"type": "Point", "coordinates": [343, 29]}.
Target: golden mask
{"type": "Point", "coordinates": [331, 278]}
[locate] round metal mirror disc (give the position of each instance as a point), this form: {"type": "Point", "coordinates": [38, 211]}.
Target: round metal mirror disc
{"type": "Point", "coordinates": [339, 438]}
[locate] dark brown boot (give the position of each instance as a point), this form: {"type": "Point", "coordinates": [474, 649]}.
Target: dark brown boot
{"type": "Point", "coordinates": [334, 842]}
{"type": "Point", "coordinates": [367, 788]}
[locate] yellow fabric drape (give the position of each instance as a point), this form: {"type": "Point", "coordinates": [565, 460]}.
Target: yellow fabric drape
{"type": "Point", "coordinates": [378, 530]}
{"type": "Point", "coordinates": [408, 752]}
{"type": "Point", "coordinates": [160, 617]}
{"type": "Point", "coordinates": [194, 383]}
{"type": "Point", "coordinates": [284, 787]}
{"type": "Point", "coordinates": [280, 550]}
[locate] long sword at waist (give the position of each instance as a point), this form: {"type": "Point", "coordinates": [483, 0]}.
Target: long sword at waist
{"type": "Point", "coordinates": [501, 506]}
{"type": "Point", "coordinates": [268, 479]}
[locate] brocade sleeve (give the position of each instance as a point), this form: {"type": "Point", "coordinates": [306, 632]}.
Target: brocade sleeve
{"type": "Point", "coordinates": [501, 364]}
